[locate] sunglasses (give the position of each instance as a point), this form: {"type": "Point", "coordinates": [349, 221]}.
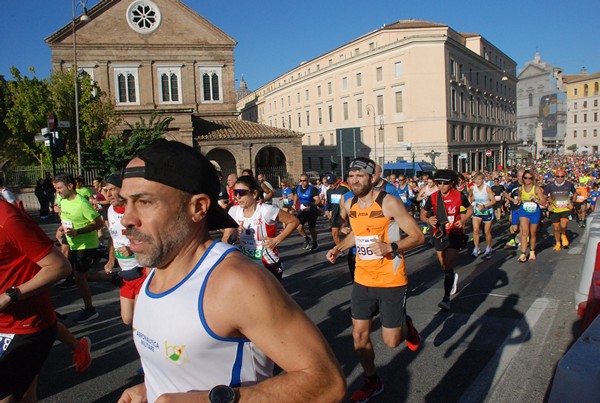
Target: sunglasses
{"type": "Point", "coordinates": [303, 180]}
{"type": "Point", "coordinates": [442, 183]}
{"type": "Point", "coordinates": [558, 176]}
{"type": "Point", "coordinates": [240, 192]}
{"type": "Point", "coordinates": [528, 177]}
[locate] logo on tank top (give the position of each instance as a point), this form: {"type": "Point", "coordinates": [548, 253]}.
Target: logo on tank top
{"type": "Point", "coordinates": [176, 354]}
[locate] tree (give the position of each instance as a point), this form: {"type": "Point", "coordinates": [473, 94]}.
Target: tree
{"type": "Point", "coordinates": [572, 148]}
{"type": "Point", "coordinates": [118, 150]}
{"type": "Point", "coordinates": [28, 102]}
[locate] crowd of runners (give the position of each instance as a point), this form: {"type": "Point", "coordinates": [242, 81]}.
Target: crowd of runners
{"type": "Point", "coordinates": [373, 220]}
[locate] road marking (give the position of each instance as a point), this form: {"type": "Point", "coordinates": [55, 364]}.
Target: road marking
{"type": "Point", "coordinates": [500, 364]}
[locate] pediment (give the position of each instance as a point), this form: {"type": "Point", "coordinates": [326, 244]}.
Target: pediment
{"type": "Point", "coordinates": [108, 25]}
{"type": "Point", "coordinates": [533, 70]}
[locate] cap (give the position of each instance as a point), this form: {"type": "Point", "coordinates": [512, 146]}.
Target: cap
{"type": "Point", "coordinates": [513, 174]}
{"type": "Point", "coordinates": [330, 179]}
{"type": "Point", "coordinates": [181, 167]}
{"type": "Point", "coordinates": [445, 175]}
{"type": "Point", "coordinates": [362, 164]}
{"type": "Point", "coordinates": [115, 179]}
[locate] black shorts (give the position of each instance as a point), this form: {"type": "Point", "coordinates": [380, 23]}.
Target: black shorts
{"type": "Point", "coordinates": [449, 241]}
{"type": "Point", "coordinates": [390, 302]}
{"type": "Point", "coordinates": [556, 217]}
{"type": "Point", "coordinates": [336, 221]}
{"type": "Point", "coordinates": [308, 216]}
{"type": "Point", "coordinates": [82, 260]}
{"type": "Point", "coordinates": [23, 359]}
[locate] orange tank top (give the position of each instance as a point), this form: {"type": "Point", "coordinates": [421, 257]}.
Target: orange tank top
{"type": "Point", "coordinates": [368, 224]}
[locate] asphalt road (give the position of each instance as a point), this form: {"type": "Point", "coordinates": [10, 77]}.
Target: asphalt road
{"type": "Point", "coordinates": [510, 324]}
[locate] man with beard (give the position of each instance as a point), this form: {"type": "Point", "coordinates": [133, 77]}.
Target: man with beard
{"type": "Point", "coordinates": [560, 203]}
{"type": "Point", "coordinates": [208, 322]}
{"type": "Point", "coordinates": [380, 280]}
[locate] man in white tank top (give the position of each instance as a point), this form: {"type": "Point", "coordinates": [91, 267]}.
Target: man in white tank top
{"type": "Point", "coordinates": [208, 321]}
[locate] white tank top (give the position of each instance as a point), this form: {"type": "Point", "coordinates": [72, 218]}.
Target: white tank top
{"type": "Point", "coordinates": [179, 351]}
{"type": "Point", "coordinates": [262, 224]}
{"type": "Point", "coordinates": [117, 233]}
{"type": "Point", "coordinates": [481, 196]}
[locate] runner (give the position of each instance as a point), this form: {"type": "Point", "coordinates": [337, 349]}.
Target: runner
{"type": "Point", "coordinates": [29, 265]}
{"type": "Point", "coordinates": [257, 232]}
{"type": "Point", "coordinates": [132, 274]}
{"type": "Point", "coordinates": [482, 198]}
{"type": "Point", "coordinates": [449, 236]}
{"type": "Point", "coordinates": [334, 197]}
{"type": "Point", "coordinates": [307, 201]}
{"type": "Point", "coordinates": [530, 198]}
{"type": "Point", "coordinates": [498, 189]}
{"type": "Point", "coordinates": [580, 204]}
{"type": "Point", "coordinates": [380, 277]}
{"type": "Point", "coordinates": [511, 195]}
{"type": "Point", "coordinates": [559, 194]}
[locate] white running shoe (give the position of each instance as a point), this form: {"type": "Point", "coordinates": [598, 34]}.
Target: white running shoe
{"type": "Point", "coordinates": [488, 251]}
{"type": "Point", "coordinates": [476, 251]}
{"type": "Point", "coordinates": [454, 284]}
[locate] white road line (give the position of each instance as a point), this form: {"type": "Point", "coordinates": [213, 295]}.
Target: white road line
{"type": "Point", "coordinates": [502, 360]}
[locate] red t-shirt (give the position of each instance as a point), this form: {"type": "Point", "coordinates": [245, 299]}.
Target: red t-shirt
{"type": "Point", "coordinates": [452, 202]}
{"type": "Point", "coordinates": [22, 244]}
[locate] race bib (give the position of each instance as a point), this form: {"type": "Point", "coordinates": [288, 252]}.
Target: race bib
{"type": "Point", "coordinates": [530, 207]}
{"type": "Point", "coordinates": [404, 198]}
{"type": "Point", "coordinates": [498, 198]}
{"type": "Point", "coordinates": [335, 199]}
{"type": "Point", "coordinates": [580, 199]}
{"type": "Point", "coordinates": [561, 203]}
{"type": "Point", "coordinates": [363, 247]}
{"type": "Point", "coordinates": [251, 249]}
{"type": "Point", "coordinates": [67, 224]}
{"type": "Point", "coordinates": [5, 340]}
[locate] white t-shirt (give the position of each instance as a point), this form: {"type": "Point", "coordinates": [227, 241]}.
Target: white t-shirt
{"type": "Point", "coordinates": [262, 224]}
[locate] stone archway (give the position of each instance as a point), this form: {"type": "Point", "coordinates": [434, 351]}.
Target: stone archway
{"type": "Point", "coordinates": [271, 162]}
{"type": "Point", "coordinates": [223, 161]}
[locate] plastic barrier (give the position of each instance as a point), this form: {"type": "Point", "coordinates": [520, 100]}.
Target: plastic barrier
{"type": "Point", "coordinates": [577, 374]}
{"type": "Point", "coordinates": [592, 309]}
{"type": "Point", "coordinates": [591, 238]}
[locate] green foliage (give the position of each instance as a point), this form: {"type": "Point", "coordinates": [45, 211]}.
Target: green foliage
{"type": "Point", "coordinates": [572, 147]}
{"type": "Point", "coordinates": [118, 150]}
{"type": "Point", "coordinates": [27, 105]}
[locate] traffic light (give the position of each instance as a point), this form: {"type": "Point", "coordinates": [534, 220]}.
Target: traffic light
{"type": "Point", "coordinates": [59, 147]}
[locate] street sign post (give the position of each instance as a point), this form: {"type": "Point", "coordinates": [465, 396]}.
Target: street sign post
{"type": "Point", "coordinates": [488, 153]}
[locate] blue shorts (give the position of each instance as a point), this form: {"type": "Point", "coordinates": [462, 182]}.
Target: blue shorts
{"type": "Point", "coordinates": [534, 216]}
{"type": "Point", "coordinates": [514, 217]}
{"type": "Point", "coordinates": [484, 217]}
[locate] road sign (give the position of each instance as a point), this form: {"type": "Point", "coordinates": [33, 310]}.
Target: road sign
{"type": "Point", "coordinates": [462, 156]}
{"type": "Point", "coordinates": [39, 139]}
{"type": "Point", "coordinates": [488, 153]}
{"type": "Point", "coordinates": [45, 130]}
{"type": "Point", "coordinates": [65, 124]}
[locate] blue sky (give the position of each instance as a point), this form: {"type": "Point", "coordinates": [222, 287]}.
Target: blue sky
{"type": "Point", "coordinates": [275, 36]}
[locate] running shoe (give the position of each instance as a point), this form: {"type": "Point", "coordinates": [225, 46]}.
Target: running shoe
{"type": "Point", "coordinates": [87, 314]}
{"type": "Point", "coordinates": [488, 251]}
{"type": "Point", "coordinates": [413, 340]}
{"type": "Point", "coordinates": [314, 245]}
{"type": "Point", "coordinates": [307, 242]}
{"type": "Point", "coordinates": [564, 240]}
{"type": "Point", "coordinates": [454, 284]}
{"type": "Point", "coordinates": [445, 304]}
{"type": "Point", "coordinates": [426, 229]}
{"type": "Point", "coordinates": [476, 251]}
{"type": "Point", "coordinates": [368, 389]}
{"type": "Point", "coordinates": [557, 247]}
{"type": "Point", "coordinates": [511, 243]}
{"type": "Point", "coordinates": [81, 356]}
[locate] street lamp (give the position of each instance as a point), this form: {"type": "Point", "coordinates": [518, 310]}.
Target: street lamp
{"type": "Point", "coordinates": [371, 110]}
{"type": "Point", "coordinates": [382, 134]}
{"type": "Point", "coordinates": [84, 17]}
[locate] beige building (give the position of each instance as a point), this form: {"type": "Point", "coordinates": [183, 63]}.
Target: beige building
{"type": "Point", "coordinates": [412, 89]}
{"type": "Point", "coordinates": [583, 96]}
{"type": "Point", "coordinates": [161, 56]}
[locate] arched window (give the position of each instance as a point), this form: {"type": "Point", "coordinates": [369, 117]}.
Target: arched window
{"type": "Point", "coordinates": [212, 83]}
{"type": "Point", "coordinates": [530, 99]}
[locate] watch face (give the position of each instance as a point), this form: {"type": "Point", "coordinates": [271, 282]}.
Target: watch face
{"type": "Point", "coordinates": [221, 394]}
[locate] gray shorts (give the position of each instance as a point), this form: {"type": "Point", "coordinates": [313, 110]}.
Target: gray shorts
{"type": "Point", "coordinates": [390, 302]}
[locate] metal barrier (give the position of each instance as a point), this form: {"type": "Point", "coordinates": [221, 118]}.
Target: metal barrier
{"type": "Point", "coordinates": [592, 237]}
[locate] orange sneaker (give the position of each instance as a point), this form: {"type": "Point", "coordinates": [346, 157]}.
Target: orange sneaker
{"type": "Point", "coordinates": [564, 240]}
{"type": "Point", "coordinates": [412, 337]}
{"type": "Point", "coordinates": [81, 356]}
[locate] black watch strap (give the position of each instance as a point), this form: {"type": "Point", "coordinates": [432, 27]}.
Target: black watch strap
{"type": "Point", "coordinates": [14, 293]}
{"type": "Point", "coordinates": [394, 247]}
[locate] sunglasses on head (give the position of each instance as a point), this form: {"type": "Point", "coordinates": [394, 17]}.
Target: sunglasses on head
{"type": "Point", "coordinates": [240, 192]}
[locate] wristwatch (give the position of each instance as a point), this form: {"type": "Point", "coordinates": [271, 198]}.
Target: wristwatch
{"type": "Point", "coordinates": [14, 293]}
{"type": "Point", "coordinates": [221, 394]}
{"type": "Point", "coordinates": [394, 247]}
